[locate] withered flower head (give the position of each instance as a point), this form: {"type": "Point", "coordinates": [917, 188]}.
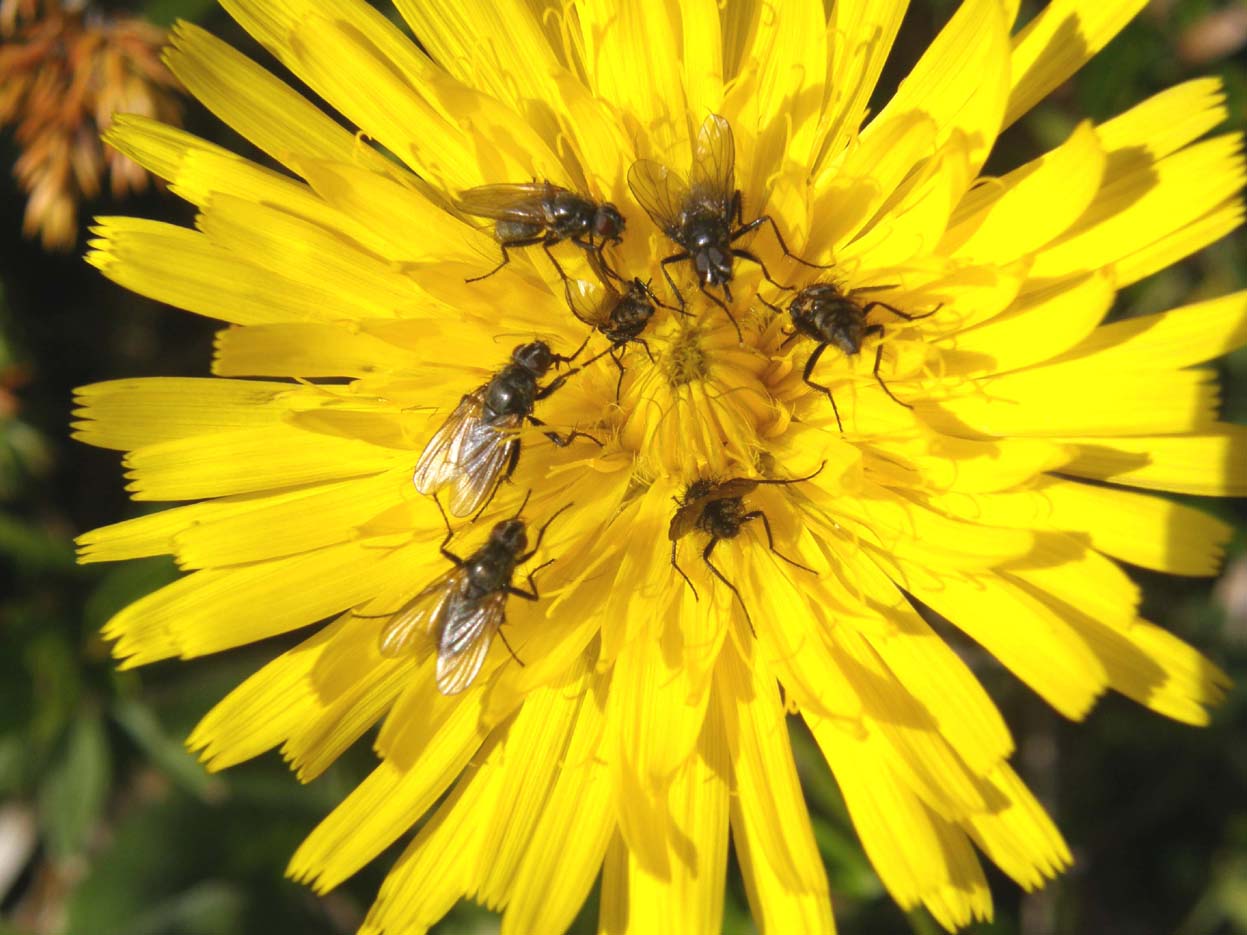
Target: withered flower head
{"type": "Point", "coordinates": [65, 69]}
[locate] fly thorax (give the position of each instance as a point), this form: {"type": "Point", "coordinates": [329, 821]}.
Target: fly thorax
{"type": "Point", "coordinates": [722, 518]}
{"type": "Point", "coordinates": [511, 393]}
{"type": "Point", "coordinates": [569, 215]}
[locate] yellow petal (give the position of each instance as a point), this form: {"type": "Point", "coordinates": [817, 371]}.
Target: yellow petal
{"type": "Point", "coordinates": [1038, 327]}
{"type": "Point", "coordinates": [1039, 647]}
{"type": "Point", "coordinates": [214, 609]}
{"type": "Point", "coordinates": [918, 856]}
{"type": "Point", "coordinates": [264, 110]}
{"type": "Point", "coordinates": [861, 33]}
{"type": "Point", "coordinates": [767, 792]}
{"type": "Point", "coordinates": [1057, 42]}
{"type": "Point", "coordinates": [183, 268]}
{"type": "Point", "coordinates": [1139, 207]}
{"type": "Point", "coordinates": [265, 709]}
{"type": "Point", "coordinates": [388, 802]}
{"type": "Point", "coordinates": [565, 851]}
{"type": "Point", "coordinates": [250, 459]}
{"type": "Point", "coordinates": [1212, 462]}
{"type": "Point", "coordinates": [1019, 837]}
{"type": "Point", "coordinates": [962, 79]}
{"type": "Point", "coordinates": [1030, 206]}
{"type": "Point", "coordinates": [688, 898]}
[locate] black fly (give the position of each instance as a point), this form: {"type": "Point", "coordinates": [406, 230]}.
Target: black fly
{"type": "Point", "coordinates": [829, 316]}
{"type": "Point", "coordinates": [476, 447]}
{"type": "Point", "coordinates": [718, 509]}
{"type": "Point", "coordinates": [466, 606]}
{"type": "Point", "coordinates": [704, 215]}
{"type": "Point", "coordinates": [621, 318]}
{"type": "Point", "coordinates": [530, 213]}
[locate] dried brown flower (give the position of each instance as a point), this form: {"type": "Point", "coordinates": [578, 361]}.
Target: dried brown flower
{"type": "Point", "coordinates": [64, 71]}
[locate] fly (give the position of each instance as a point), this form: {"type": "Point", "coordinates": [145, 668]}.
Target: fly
{"type": "Point", "coordinates": [477, 446]}
{"type": "Point", "coordinates": [830, 316]}
{"type": "Point", "coordinates": [530, 213]}
{"type": "Point", "coordinates": [466, 606]}
{"type": "Point", "coordinates": [717, 508]}
{"type": "Point", "coordinates": [703, 215]}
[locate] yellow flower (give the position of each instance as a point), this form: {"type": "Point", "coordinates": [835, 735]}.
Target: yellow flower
{"type": "Point", "coordinates": [987, 456]}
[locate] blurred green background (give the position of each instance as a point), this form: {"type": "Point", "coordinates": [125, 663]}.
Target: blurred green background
{"type": "Point", "coordinates": [107, 827]}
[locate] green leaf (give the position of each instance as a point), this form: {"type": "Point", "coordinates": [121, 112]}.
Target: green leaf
{"type": "Point", "coordinates": [138, 721]}
{"type": "Point", "coordinates": [74, 792]}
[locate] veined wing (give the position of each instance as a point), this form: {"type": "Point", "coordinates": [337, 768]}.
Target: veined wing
{"type": "Point", "coordinates": [466, 635]}
{"type": "Point", "coordinates": [440, 462]}
{"type": "Point", "coordinates": [736, 487]}
{"type": "Point", "coordinates": [422, 613]}
{"type": "Point", "coordinates": [713, 176]}
{"type": "Point", "coordinates": [685, 519]}
{"type": "Point", "coordinates": [660, 191]}
{"type": "Point", "coordinates": [521, 201]}
{"type": "Point", "coordinates": [483, 456]}
{"type": "Point", "coordinates": [589, 300]}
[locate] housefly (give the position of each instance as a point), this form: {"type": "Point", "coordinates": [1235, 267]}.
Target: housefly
{"type": "Point", "coordinates": [620, 317]}
{"type": "Point", "coordinates": [478, 446]}
{"type": "Point", "coordinates": [703, 215]}
{"type": "Point", "coordinates": [530, 213]}
{"type": "Point", "coordinates": [831, 317]}
{"type": "Point", "coordinates": [717, 508]}
{"type": "Point", "coordinates": [466, 606]}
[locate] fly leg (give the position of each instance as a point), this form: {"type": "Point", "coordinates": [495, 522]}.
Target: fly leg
{"type": "Point", "coordinates": [564, 440]}
{"type": "Point", "coordinates": [877, 329]}
{"type": "Point", "coordinates": [718, 574]}
{"type": "Point", "coordinates": [770, 539]}
{"type": "Point", "coordinates": [450, 556]}
{"type": "Point", "coordinates": [674, 258]}
{"type": "Point", "coordinates": [723, 305]}
{"type": "Point", "coordinates": [687, 579]}
{"type": "Point", "coordinates": [766, 273]}
{"type": "Point", "coordinates": [809, 369]}
{"type": "Point", "coordinates": [506, 256]}
{"type": "Point", "coordinates": [767, 219]}
{"type": "Point", "coordinates": [897, 312]}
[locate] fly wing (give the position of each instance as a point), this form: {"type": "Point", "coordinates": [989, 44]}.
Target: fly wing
{"type": "Point", "coordinates": [685, 519]}
{"type": "Point", "coordinates": [736, 487]}
{"type": "Point", "coordinates": [483, 456]}
{"type": "Point", "coordinates": [589, 300]}
{"type": "Point", "coordinates": [661, 192]}
{"type": "Point", "coordinates": [713, 177]}
{"type": "Point", "coordinates": [440, 462]}
{"type": "Point", "coordinates": [421, 614]}
{"type": "Point", "coordinates": [520, 201]}
{"type": "Point", "coordinates": [465, 638]}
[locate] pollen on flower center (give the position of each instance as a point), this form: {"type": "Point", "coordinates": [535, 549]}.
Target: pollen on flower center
{"type": "Point", "coordinates": [685, 358]}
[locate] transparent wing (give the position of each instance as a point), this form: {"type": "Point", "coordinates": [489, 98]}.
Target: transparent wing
{"type": "Point", "coordinates": [685, 519]}
{"type": "Point", "coordinates": [713, 175]}
{"type": "Point", "coordinates": [590, 301]}
{"type": "Point", "coordinates": [483, 456]}
{"type": "Point", "coordinates": [466, 635]}
{"type": "Point", "coordinates": [440, 461]}
{"type": "Point", "coordinates": [661, 192]}
{"type": "Point", "coordinates": [509, 202]}
{"type": "Point", "coordinates": [421, 614]}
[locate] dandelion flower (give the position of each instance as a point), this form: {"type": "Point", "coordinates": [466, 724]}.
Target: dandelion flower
{"type": "Point", "coordinates": [990, 456]}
